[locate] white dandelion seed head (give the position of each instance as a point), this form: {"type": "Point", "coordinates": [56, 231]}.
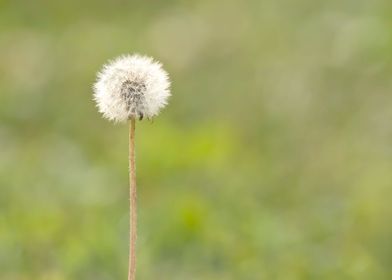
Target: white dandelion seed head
{"type": "Point", "coordinates": [131, 86]}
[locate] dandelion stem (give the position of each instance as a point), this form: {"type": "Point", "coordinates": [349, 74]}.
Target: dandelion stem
{"type": "Point", "coordinates": [132, 205]}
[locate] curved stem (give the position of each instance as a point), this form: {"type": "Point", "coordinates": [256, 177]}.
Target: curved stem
{"type": "Point", "coordinates": [132, 205]}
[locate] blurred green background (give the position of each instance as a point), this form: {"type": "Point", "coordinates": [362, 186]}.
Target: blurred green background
{"type": "Point", "coordinates": [273, 160]}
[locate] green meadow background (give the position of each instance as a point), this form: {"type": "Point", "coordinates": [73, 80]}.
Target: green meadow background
{"type": "Point", "coordinates": [272, 161]}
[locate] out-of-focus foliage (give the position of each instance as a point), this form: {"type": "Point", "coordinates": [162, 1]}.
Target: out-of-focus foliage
{"type": "Point", "coordinates": [273, 160]}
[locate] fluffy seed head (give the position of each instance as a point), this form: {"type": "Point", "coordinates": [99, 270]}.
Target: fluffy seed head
{"type": "Point", "coordinates": [131, 86]}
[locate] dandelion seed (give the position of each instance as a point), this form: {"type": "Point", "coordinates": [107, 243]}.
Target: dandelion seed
{"type": "Point", "coordinates": [131, 86]}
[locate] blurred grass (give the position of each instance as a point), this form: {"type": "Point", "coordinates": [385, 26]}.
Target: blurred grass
{"type": "Point", "coordinates": [273, 160]}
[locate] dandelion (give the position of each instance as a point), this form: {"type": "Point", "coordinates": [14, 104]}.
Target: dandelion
{"type": "Point", "coordinates": [131, 86]}
{"type": "Point", "coordinates": [128, 88]}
